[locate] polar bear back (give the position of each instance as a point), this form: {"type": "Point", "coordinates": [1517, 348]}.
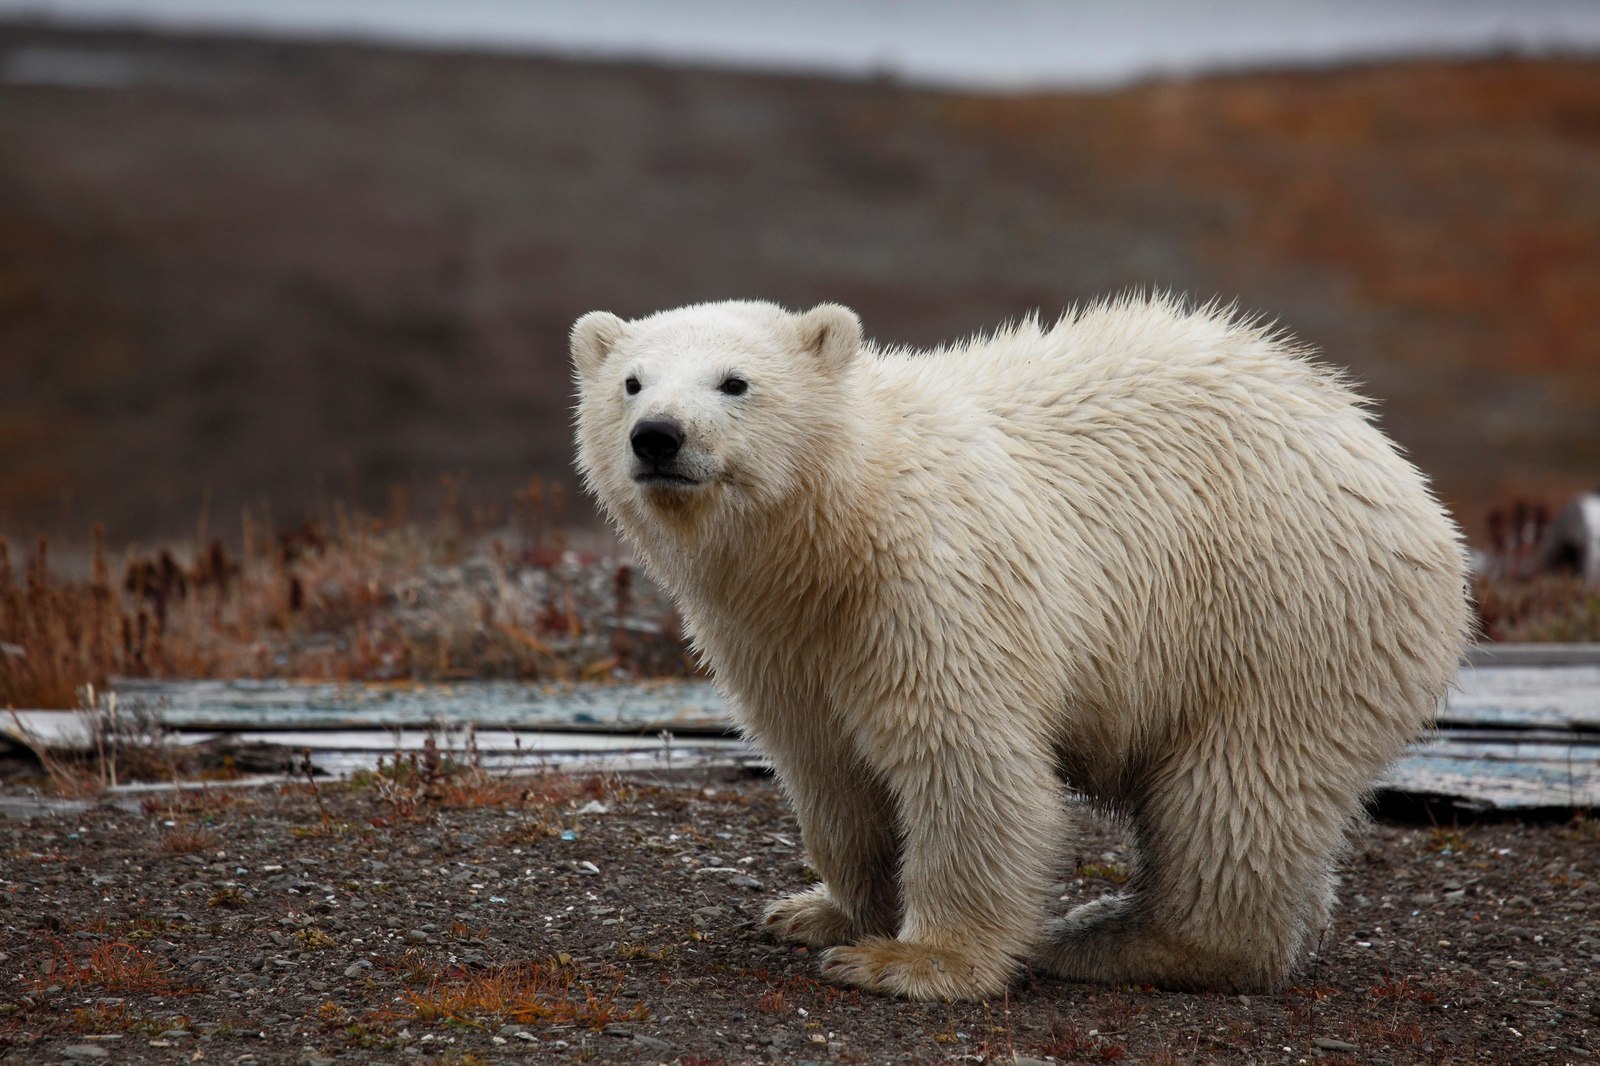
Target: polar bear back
{"type": "Point", "coordinates": [1172, 516]}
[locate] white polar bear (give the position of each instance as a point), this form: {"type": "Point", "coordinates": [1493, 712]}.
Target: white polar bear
{"type": "Point", "coordinates": [1151, 554]}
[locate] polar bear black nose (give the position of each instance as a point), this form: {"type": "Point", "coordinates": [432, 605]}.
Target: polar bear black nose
{"type": "Point", "coordinates": [656, 442]}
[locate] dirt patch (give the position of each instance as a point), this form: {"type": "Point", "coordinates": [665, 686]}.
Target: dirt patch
{"type": "Point", "coordinates": [617, 919]}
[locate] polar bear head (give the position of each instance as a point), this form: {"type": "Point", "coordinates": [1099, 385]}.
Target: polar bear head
{"type": "Point", "coordinates": [710, 409]}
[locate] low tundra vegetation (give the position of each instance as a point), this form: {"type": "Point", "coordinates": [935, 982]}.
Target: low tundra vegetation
{"type": "Point", "coordinates": [343, 597]}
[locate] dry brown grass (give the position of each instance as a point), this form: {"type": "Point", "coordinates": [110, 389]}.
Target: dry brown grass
{"type": "Point", "coordinates": [351, 597]}
{"type": "Point", "coordinates": [540, 994]}
{"type": "Point", "coordinates": [111, 966]}
{"type": "Point", "coordinates": [189, 842]}
{"type": "Point", "coordinates": [1553, 608]}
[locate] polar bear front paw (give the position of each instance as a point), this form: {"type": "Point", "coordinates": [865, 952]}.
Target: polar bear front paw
{"type": "Point", "coordinates": [918, 971]}
{"type": "Point", "coordinates": [810, 917]}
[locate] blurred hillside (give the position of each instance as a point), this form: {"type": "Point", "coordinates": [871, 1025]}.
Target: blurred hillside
{"type": "Point", "coordinates": [235, 271]}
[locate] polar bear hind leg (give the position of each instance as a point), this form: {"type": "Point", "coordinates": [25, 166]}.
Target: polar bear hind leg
{"type": "Point", "coordinates": [1235, 877]}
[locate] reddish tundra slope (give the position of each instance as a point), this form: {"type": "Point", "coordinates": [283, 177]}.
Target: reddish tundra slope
{"type": "Point", "coordinates": [261, 270]}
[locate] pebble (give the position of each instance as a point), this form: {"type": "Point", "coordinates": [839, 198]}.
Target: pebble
{"type": "Point", "coordinates": [1328, 1043]}
{"type": "Point", "coordinates": [84, 1052]}
{"type": "Point", "coordinates": [652, 1044]}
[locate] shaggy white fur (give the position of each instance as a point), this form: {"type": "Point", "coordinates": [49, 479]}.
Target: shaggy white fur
{"type": "Point", "coordinates": [1152, 554]}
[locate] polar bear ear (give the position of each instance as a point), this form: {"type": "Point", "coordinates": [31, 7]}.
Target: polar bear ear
{"type": "Point", "coordinates": [593, 337]}
{"type": "Point", "coordinates": [832, 333]}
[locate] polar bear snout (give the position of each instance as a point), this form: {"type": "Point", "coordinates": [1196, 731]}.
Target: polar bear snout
{"type": "Point", "coordinates": [656, 441]}
{"type": "Point", "coordinates": [662, 459]}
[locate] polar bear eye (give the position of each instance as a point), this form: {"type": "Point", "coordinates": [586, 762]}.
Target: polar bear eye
{"type": "Point", "coordinates": [631, 386]}
{"type": "Point", "coordinates": [734, 386]}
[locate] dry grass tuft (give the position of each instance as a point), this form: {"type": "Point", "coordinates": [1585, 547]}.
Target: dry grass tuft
{"type": "Point", "coordinates": [189, 842]}
{"type": "Point", "coordinates": [1403, 989]}
{"type": "Point", "coordinates": [1074, 1044]}
{"type": "Point", "coordinates": [191, 803]}
{"type": "Point", "coordinates": [542, 994]}
{"type": "Point", "coordinates": [112, 966]}
{"type": "Point", "coordinates": [409, 784]}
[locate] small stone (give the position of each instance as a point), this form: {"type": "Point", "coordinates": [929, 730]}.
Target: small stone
{"type": "Point", "coordinates": [1328, 1043]}
{"type": "Point", "coordinates": [652, 1044]}
{"type": "Point", "coordinates": [416, 936]}
{"type": "Point", "coordinates": [84, 1052]}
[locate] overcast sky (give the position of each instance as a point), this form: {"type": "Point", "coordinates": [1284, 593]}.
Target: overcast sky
{"type": "Point", "coordinates": [996, 43]}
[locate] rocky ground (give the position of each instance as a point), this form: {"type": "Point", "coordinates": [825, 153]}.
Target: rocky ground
{"type": "Point", "coordinates": [431, 917]}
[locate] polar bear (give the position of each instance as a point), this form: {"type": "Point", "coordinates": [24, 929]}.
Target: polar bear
{"type": "Point", "coordinates": [1152, 554]}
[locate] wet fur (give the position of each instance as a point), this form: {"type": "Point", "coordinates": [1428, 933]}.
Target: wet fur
{"type": "Point", "coordinates": [1153, 550]}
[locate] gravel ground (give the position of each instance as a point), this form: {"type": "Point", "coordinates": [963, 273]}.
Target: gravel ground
{"type": "Point", "coordinates": [617, 919]}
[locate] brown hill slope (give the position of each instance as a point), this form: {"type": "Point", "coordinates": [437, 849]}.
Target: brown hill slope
{"type": "Point", "coordinates": [264, 270]}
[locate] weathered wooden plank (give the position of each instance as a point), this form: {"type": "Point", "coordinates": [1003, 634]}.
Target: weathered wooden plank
{"type": "Point", "coordinates": [1534, 655]}
{"type": "Point", "coordinates": [682, 706]}
{"type": "Point", "coordinates": [1529, 696]}
{"type": "Point", "coordinates": [1521, 730]}
{"type": "Point", "coordinates": [1504, 784]}
{"type": "Point", "coordinates": [1526, 696]}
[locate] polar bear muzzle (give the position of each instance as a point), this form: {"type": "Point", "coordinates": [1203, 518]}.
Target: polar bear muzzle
{"type": "Point", "coordinates": [659, 460]}
{"type": "Point", "coordinates": [656, 441]}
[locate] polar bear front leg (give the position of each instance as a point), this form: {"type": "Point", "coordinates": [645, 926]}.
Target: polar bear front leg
{"type": "Point", "coordinates": [847, 825]}
{"type": "Point", "coordinates": [980, 829]}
